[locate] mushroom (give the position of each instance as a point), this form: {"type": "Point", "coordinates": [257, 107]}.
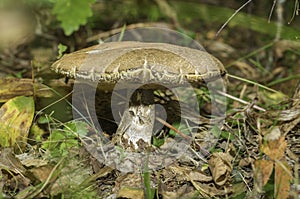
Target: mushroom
{"type": "Point", "coordinates": [143, 67]}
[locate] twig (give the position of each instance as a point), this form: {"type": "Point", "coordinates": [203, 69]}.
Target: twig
{"type": "Point", "coordinates": [296, 11]}
{"type": "Point", "coordinates": [271, 11]}
{"type": "Point", "coordinates": [228, 20]}
{"type": "Point", "coordinates": [173, 128]}
{"type": "Point", "coordinates": [240, 100]}
{"type": "Point", "coordinates": [129, 27]}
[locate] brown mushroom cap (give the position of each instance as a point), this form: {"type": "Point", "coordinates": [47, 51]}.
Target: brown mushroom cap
{"type": "Point", "coordinates": [141, 62]}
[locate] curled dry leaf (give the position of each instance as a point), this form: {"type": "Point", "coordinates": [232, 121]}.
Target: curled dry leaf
{"type": "Point", "coordinates": [220, 166]}
{"type": "Point", "coordinates": [199, 176]}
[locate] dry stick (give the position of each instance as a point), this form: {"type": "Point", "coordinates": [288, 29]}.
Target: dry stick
{"type": "Point", "coordinates": [271, 11]}
{"type": "Point", "coordinates": [240, 100]}
{"type": "Point", "coordinates": [173, 128]}
{"type": "Point", "coordinates": [228, 20]}
{"type": "Point", "coordinates": [129, 27]}
{"type": "Point", "coordinates": [295, 12]}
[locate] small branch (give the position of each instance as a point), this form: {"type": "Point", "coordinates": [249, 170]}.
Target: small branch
{"type": "Point", "coordinates": [240, 100]}
{"type": "Point", "coordinates": [173, 128]}
{"type": "Point", "coordinates": [228, 20]}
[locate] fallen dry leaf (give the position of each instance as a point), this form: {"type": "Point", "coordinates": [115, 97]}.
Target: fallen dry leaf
{"type": "Point", "coordinates": [14, 87]}
{"type": "Point", "coordinates": [199, 176]}
{"type": "Point", "coordinates": [131, 193]}
{"type": "Point", "coordinates": [220, 167]}
{"type": "Point", "coordinates": [8, 161]}
{"type": "Point", "coordinates": [41, 173]}
{"type": "Point", "coordinates": [263, 171]}
{"type": "Point", "coordinates": [283, 179]}
{"type": "Point", "coordinates": [210, 190]}
{"type": "Point", "coordinates": [274, 148]}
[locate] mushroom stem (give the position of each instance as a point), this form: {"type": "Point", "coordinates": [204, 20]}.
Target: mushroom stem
{"type": "Point", "coordinates": [136, 125]}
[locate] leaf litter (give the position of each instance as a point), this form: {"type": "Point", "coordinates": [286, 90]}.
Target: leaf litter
{"type": "Point", "coordinates": [257, 150]}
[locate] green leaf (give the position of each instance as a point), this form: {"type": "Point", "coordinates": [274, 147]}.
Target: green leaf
{"type": "Point", "coordinates": [43, 120]}
{"type": "Point", "coordinates": [158, 142]}
{"type": "Point", "coordinates": [53, 140]}
{"type": "Point", "coordinates": [227, 135]}
{"type": "Point", "coordinates": [36, 132]}
{"type": "Point", "coordinates": [61, 140]}
{"type": "Point", "coordinates": [72, 13]}
{"type": "Point", "coordinates": [216, 131]}
{"type": "Point", "coordinates": [175, 125]}
{"type": "Point", "coordinates": [80, 128]}
{"type": "Point", "coordinates": [61, 49]}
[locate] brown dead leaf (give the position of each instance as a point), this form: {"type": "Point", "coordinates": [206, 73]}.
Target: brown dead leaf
{"type": "Point", "coordinates": [42, 173]}
{"type": "Point", "coordinates": [129, 180]}
{"type": "Point", "coordinates": [220, 167]}
{"type": "Point", "coordinates": [283, 45]}
{"type": "Point", "coordinates": [293, 112]}
{"type": "Point", "coordinates": [8, 161]}
{"type": "Point", "coordinates": [131, 193]}
{"type": "Point", "coordinates": [210, 190]}
{"type": "Point", "coordinates": [245, 162]}
{"type": "Point", "coordinates": [263, 171]}
{"type": "Point", "coordinates": [274, 148]}
{"type": "Point", "coordinates": [199, 176]}
{"type": "Point", "coordinates": [184, 192]}
{"type": "Point", "coordinates": [13, 87]}
{"type": "Point", "coordinates": [30, 159]}
{"type": "Point", "coordinates": [283, 179]}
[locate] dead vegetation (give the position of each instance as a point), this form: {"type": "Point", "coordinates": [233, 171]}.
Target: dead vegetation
{"type": "Point", "coordinates": [255, 153]}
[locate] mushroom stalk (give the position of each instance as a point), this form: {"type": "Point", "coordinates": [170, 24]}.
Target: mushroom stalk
{"type": "Point", "coordinates": [136, 125]}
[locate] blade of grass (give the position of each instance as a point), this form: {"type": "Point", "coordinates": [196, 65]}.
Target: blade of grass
{"type": "Point", "coordinates": [254, 83]}
{"type": "Point", "coordinates": [263, 48]}
{"type": "Point", "coordinates": [284, 79]}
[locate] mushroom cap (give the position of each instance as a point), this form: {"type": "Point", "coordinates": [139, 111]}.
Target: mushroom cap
{"type": "Point", "coordinates": [139, 62]}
